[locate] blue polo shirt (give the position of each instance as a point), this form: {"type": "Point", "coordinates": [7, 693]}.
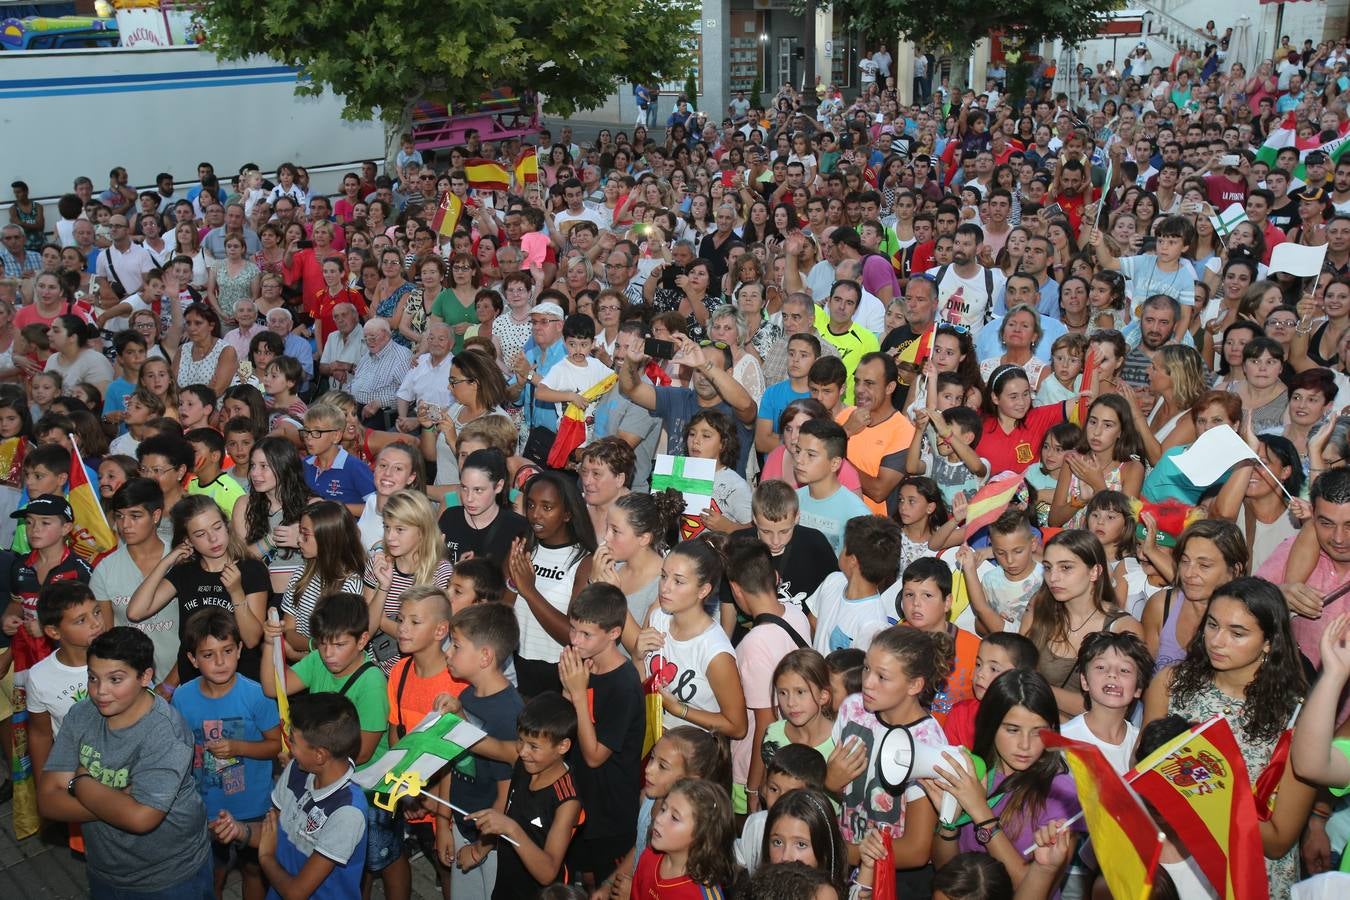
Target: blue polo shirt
{"type": "Point", "coordinates": [536, 411]}
{"type": "Point", "coordinates": [349, 480]}
{"type": "Point", "coordinates": [330, 821]}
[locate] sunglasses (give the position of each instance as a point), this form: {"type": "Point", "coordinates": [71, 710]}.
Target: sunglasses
{"type": "Point", "coordinates": [949, 328]}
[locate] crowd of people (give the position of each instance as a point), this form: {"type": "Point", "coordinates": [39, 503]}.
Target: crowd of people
{"type": "Point", "coordinates": [384, 455]}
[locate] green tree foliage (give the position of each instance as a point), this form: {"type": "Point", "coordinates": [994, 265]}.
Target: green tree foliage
{"type": "Point", "coordinates": [959, 24]}
{"type": "Point", "coordinates": [382, 55]}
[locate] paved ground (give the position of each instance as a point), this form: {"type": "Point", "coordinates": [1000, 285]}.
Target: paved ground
{"type": "Point", "coordinates": [42, 868]}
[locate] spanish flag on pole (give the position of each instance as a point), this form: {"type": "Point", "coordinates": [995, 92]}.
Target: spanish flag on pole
{"type": "Point", "coordinates": [447, 215]}
{"type": "Point", "coordinates": [572, 423]}
{"type": "Point", "coordinates": [527, 166]}
{"type": "Point", "coordinates": [92, 537]}
{"type": "Point", "coordinates": [1124, 838]}
{"type": "Point", "coordinates": [1198, 783]}
{"type": "Point", "coordinates": [485, 175]}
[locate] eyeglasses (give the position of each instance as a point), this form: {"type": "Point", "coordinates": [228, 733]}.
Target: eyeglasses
{"type": "Point", "coordinates": [154, 471]}
{"type": "Point", "coordinates": [719, 345]}
{"type": "Point", "coordinates": [456, 382]}
{"type": "Point", "coordinates": [1280, 323]}
{"type": "Point", "coordinates": [954, 329]}
{"type": "Point", "coordinates": [318, 432]}
{"type": "Point", "coordinates": [609, 308]}
{"type": "Point", "coordinates": [462, 268]}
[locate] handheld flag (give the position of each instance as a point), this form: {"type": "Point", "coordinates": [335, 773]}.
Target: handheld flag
{"type": "Point", "coordinates": [485, 175]}
{"type": "Point", "coordinates": [1173, 517]}
{"type": "Point", "coordinates": [447, 214]}
{"type": "Point", "coordinates": [662, 673]}
{"type": "Point", "coordinates": [1268, 782]}
{"type": "Point", "coordinates": [92, 537]}
{"type": "Point", "coordinates": [1213, 453]}
{"type": "Point", "coordinates": [438, 740]}
{"type": "Point", "coordinates": [918, 350]}
{"type": "Point", "coordinates": [1233, 216]}
{"type": "Point", "coordinates": [991, 500]}
{"type": "Point", "coordinates": [527, 165]}
{"type": "Point", "coordinates": [1080, 409]}
{"type": "Point", "coordinates": [1127, 843]}
{"type": "Point", "coordinates": [1298, 260]}
{"type": "Point", "coordinates": [279, 673]}
{"type": "Point", "coordinates": [572, 426]}
{"type": "Point", "coordinates": [1198, 783]}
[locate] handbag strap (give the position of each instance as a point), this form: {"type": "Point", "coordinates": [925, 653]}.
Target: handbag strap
{"type": "Point", "coordinates": [771, 619]}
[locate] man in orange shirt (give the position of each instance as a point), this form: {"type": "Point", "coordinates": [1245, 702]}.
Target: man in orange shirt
{"type": "Point", "coordinates": [878, 436]}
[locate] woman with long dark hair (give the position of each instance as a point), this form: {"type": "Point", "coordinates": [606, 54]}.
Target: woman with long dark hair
{"type": "Point", "coordinates": [1024, 785]}
{"type": "Point", "coordinates": [1244, 665]}
{"type": "Point", "coordinates": [269, 521]}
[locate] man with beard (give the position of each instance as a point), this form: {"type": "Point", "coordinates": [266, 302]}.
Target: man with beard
{"type": "Point", "coordinates": [712, 387]}
{"type": "Point", "coordinates": [965, 288]}
{"type": "Point", "coordinates": [1157, 319]}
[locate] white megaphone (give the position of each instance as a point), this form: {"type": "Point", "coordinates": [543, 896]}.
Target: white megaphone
{"type": "Point", "coordinates": [902, 760]}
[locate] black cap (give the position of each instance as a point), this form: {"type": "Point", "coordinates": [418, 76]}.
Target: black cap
{"type": "Point", "coordinates": [1316, 156]}
{"type": "Point", "coordinates": [46, 505]}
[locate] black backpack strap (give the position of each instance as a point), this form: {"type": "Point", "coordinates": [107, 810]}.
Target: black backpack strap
{"type": "Point", "coordinates": [771, 619]}
{"type": "Point", "coordinates": [352, 678]}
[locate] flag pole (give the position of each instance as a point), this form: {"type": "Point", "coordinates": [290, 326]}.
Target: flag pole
{"type": "Point", "coordinates": [1134, 774]}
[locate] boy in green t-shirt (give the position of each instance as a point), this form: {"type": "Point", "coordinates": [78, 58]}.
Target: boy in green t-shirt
{"type": "Point", "coordinates": [340, 629]}
{"type": "Point", "coordinates": [209, 448]}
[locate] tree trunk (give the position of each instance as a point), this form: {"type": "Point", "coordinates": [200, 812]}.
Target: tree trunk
{"type": "Point", "coordinates": [809, 62]}
{"type": "Point", "coordinates": [394, 129]}
{"type": "Point", "coordinates": [959, 79]}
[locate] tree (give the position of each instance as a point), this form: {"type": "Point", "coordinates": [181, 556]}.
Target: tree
{"type": "Point", "coordinates": [962, 23]}
{"type": "Point", "coordinates": [384, 55]}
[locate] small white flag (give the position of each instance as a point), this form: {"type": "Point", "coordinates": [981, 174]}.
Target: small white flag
{"type": "Point", "coordinates": [1298, 260]}
{"type": "Point", "coordinates": [1213, 453]}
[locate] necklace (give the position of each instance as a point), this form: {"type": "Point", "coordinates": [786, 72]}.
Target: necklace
{"type": "Point", "coordinates": [1072, 630]}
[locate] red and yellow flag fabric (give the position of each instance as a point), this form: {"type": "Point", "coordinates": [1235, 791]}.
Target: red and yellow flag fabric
{"type": "Point", "coordinates": [991, 500]}
{"type": "Point", "coordinates": [1198, 783]}
{"type": "Point", "coordinates": [485, 174]}
{"type": "Point", "coordinates": [1125, 839]}
{"type": "Point", "coordinates": [1080, 410]}
{"type": "Point", "coordinates": [447, 214]}
{"type": "Point", "coordinates": [1268, 782]}
{"type": "Point", "coordinates": [92, 536]}
{"type": "Point", "coordinates": [918, 350]}
{"type": "Point", "coordinates": [572, 423]}
{"type": "Point", "coordinates": [527, 165]}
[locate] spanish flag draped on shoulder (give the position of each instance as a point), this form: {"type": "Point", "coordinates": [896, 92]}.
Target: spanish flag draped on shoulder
{"type": "Point", "coordinates": [1124, 839]}
{"type": "Point", "coordinates": [1198, 783]}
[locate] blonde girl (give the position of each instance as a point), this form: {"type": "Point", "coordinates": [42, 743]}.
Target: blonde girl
{"type": "Point", "coordinates": [413, 553]}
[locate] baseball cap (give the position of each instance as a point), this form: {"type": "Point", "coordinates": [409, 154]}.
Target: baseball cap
{"type": "Point", "coordinates": [1315, 195]}
{"type": "Point", "coordinates": [46, 505]}
{"type": "Point", "coordinates": [547, 308]}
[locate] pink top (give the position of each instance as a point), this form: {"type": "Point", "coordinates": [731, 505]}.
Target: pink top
{"type": "Point", "coordinates": [773, 468]}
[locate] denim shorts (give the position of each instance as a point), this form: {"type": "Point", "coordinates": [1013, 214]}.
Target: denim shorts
{"type": "Point", "coordinates": [384, 838]}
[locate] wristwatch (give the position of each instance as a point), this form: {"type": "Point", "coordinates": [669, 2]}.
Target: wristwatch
{"type": "Point", "coordinates": [70, 785]}
{"type": "Point", "coordinates": [985, 831]}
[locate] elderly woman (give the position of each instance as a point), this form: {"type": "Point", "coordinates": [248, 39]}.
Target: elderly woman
{"type": "Point", "coordinates": [1019, 333]}
{"type": "Point", "coordinates": [205, 358]}
{"type": "Point", "coordinates": [763, 333]}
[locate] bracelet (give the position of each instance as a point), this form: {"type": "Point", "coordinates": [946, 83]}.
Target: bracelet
{"type": "Point", "coordinates": [685, 714]}
{"type": "Point", "coordinates": [943, 836]}
{"type": "Point", "coordinates": [248, 833]}
{"type": "Point", "coordinates": [1319, 814]}
{"type": "Point", "coordinates": [752, 791]}
{"type": "Point", "coordinates": [990, 821]}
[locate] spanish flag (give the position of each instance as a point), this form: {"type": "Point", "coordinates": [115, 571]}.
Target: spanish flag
{"type": "Point", "coordinates": [447, 215]}
{"type": "Point", "coordinates": [1126, 841]}
{"type": "Point", "coordinates": [991, 500]}
{"type": "Point", "coordinates": [92, 537]}
{"type": "Point", "coordinates": [485, 174]}
{"type": "Point", "coordinates": [1198, 783]}
{"type": "Point", "coordinates": [527, 166]}
{"type": "Point", "coordinates": [1078, 414]}
{"type": "Point", "coordinates": [918, 350]}
{"type": "Point", "coordinates": [572, 424]}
